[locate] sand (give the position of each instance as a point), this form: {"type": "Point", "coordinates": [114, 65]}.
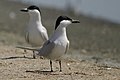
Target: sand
{"type": "Point", "coordinates": [17, 65]}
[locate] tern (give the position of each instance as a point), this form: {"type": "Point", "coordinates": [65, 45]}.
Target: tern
{"type": "Point", "coordinates": [36, 33]}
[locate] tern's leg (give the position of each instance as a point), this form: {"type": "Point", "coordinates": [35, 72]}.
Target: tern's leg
{"type": "Point", "coordinates": [34, 55]}
{"type": "Point", "coordinates": [60, 66]}
{"type": "Point", "coordinates": [25, 50]}
{"type": "Point", "coordinates": [51, 66]}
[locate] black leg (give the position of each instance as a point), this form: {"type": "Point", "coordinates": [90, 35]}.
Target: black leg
{"type": "Point", "coordinates": [51, 66]}
{"type": "Point", "coordinates": [34, 55]}
{"type": "Point", "coordinates": [60, 66]}
{"type": "Point", "coordinates": [25, 50]}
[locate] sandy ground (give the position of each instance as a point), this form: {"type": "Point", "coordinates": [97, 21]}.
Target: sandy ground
{"type": "Point", "coordinates": [97, 38]}
{"type": "Point", "coordinates": [14, 66]}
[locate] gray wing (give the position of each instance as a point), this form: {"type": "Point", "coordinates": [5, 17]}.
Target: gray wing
{"type": "Point", "coordinates": [27, 37]}
{"type": "Point", "coordinates": [67, 47]}
{"type": "Point", "coordinates": [47, 48]}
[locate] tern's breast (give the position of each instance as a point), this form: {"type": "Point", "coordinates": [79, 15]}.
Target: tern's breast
{"type": "Point", "coordinates": [35, 38]}
{"type": "Point", "coordinates": [58, 50]}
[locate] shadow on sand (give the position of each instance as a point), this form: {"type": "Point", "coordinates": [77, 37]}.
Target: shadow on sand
{"type": "Point", "coordinates": [16, 57]}
{"type": "Point", "coordinates": [48, 72]}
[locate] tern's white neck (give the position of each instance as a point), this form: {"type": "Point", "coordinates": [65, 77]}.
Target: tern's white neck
{"type": "Point", "coordinates": [60, 32]}
{"type": "Point", "coordinates": [35, 18]}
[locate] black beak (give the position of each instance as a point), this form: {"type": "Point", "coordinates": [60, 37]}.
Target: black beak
{"type": "Point", "coordinates": [24, 10]}
{"type": "Point", "coordinates": [75, 21]}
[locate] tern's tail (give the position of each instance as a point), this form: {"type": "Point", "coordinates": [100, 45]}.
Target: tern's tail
{"type": "Point", "coordinates": [28, 48]}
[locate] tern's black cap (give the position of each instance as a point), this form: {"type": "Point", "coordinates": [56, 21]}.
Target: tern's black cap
{"type": "Point", "coordinates": [61, 18]}
{"type": "Point", "coordinates": [33, 7]}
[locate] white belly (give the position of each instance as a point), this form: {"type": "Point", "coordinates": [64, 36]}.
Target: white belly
{"type": "Point", "coordinates": [35, 39]}
{"type": "Point", "coordinates": [58, 51]}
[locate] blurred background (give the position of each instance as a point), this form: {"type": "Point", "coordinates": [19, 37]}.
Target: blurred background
{"type": "Point", "coordinates": [96, 38]}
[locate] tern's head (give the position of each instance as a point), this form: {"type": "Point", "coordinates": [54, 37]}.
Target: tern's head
{"type": "Point", "coordinates": [32, 10]}
{"type": "Point", "coordinates": [64, 21]}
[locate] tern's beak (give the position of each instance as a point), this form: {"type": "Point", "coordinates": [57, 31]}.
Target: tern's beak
{"type": "Point", "coordinates": [75, 21]}
{"type": "Point", "coordinates": [24, 10]}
